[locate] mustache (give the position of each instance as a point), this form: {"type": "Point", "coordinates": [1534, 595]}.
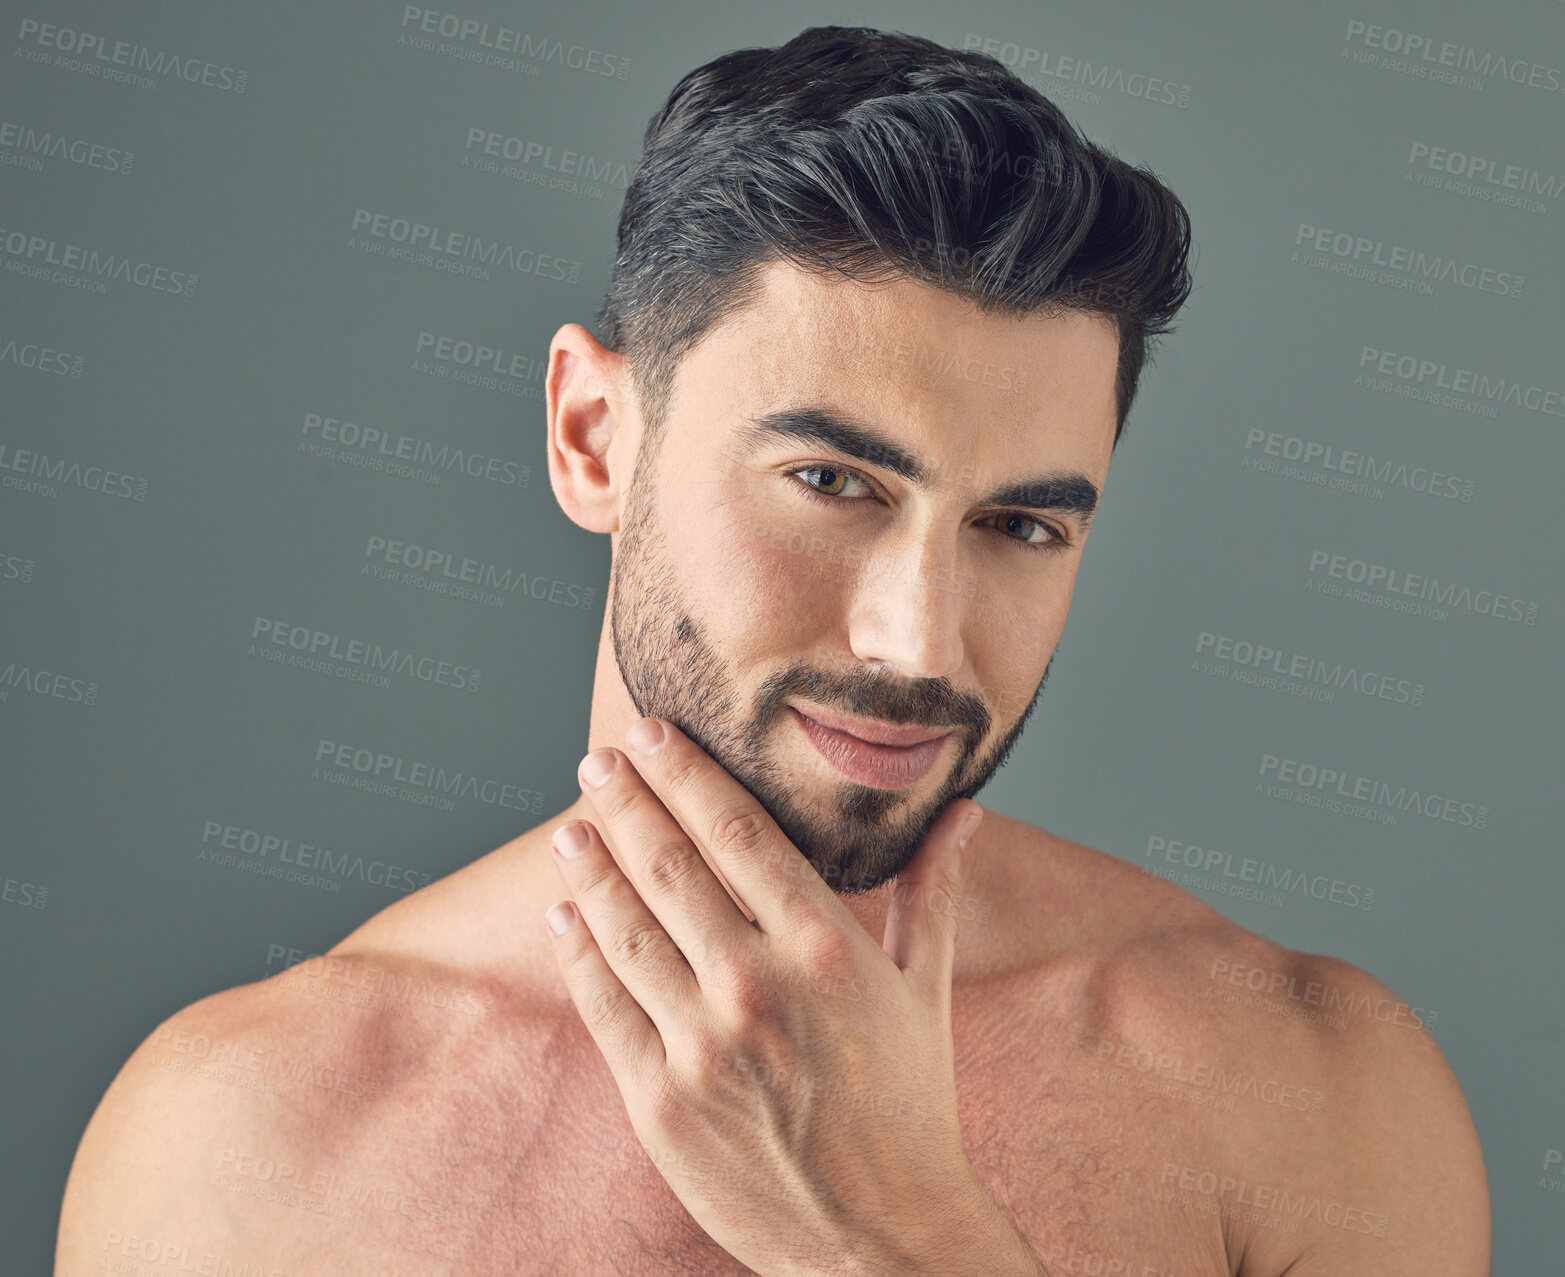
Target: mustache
{"type": "Point", "coordinates": [934, 702]}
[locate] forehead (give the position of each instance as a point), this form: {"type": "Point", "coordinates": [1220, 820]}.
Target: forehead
{"type": "Point", "coordinates": [918, 360]}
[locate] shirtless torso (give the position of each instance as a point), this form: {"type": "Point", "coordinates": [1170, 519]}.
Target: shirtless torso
{"type": "Point", "coordinates": [425, 1101]}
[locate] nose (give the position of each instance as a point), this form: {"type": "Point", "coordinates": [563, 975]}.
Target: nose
{"type": "Point", "coordinates": [909, 604]}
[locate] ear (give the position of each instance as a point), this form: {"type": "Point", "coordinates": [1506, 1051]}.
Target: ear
{"type": "Point", "coordinates": [589, 405]}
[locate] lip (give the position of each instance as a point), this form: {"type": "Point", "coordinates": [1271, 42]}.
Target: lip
{"type": "Point", "coordinates": [871, 730]}
{"type": "Point", "coordinates": [865, 762]}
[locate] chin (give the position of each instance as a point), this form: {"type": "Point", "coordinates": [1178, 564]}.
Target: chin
{"type": "Point", "coordinates": [850, 843]}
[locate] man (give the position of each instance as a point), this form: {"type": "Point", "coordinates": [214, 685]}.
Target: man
{"type": "Point", "coordinates": [875, 326]}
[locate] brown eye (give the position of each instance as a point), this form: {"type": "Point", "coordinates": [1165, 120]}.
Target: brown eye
{"type": "Point", "coordinates": [1021, 523]}
{"type": "Point", "coordinates": [1009, 524]}
{"type": "Point", "coordinates": [831, 481]}
{"type": "Point", "coordinates": [828, 481]}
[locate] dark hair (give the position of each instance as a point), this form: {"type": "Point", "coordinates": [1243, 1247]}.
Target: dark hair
{"type": "Point", "coordinates": [882, 155]}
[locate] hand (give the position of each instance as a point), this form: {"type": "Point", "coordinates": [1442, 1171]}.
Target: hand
{"type": "Point", "coordinates": [791, 1078]}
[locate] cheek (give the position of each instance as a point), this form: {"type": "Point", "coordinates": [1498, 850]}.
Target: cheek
{"type": "Point", "coordinates": [1030, 605]}
{"type": "Point", "coordinates": [1012, 635]}
{"type": "Point", "coordinates": [1007, 677]}
{"type": "Point", "coordinates": [1055, 603]}
{"type": "Point", "coordinates": [770, 581]}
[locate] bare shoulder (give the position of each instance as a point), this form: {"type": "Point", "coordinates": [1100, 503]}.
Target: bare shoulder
{"type": "Point", "coordinates": [260, 1125]}
{"type": "Point", "coordinates": [1391, 1180]}
{"type": "Point", "coordinates": [1340, 1138]}
{"type": "Point", "coordinates": [139, 1177]}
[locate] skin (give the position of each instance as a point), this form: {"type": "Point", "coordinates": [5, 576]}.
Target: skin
{"type": "Point", "coordinates": [1009, 1047]}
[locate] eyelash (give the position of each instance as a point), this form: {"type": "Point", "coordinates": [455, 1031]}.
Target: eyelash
{"type": "Point", "coordinates": [812, 493]}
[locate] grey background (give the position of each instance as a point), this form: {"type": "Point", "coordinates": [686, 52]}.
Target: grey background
{"type": "Point", "coordinates": [111, 920]}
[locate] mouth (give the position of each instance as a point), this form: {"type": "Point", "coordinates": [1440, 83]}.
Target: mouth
{"type": "Point", "coordinates": [901, 757]}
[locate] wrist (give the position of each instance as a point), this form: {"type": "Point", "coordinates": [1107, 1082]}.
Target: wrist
{"type": "Point", "coordinates": [971, 1237]}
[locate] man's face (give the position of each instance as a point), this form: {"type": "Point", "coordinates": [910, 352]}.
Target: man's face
{"type": "Point", "coordinates": [762, 575]}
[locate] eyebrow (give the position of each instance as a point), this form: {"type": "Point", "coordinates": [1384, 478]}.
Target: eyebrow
{"type": "Point", "coordinates": [1067, 491]}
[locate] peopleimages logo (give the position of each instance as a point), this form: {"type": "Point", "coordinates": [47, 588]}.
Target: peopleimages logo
{"type": "Point", "coordinates": [376, 772]}
{"type": "Point", "coordinates": [1422, 56]}
{"type": "Point", "coordinates": [45, 683]}
{"type": "Point", "coordinates": [32, 255]}
{"type": "Point", "coordinates": [1309, 670]}
{"type": "Point", "coordinates": [1290, 984]}
{"type": "Point", "coordinates": [259, 848]}
{"type": "Point", "coordinates": [477, 356]}
{"type": "Point", "coordinates": [106, 58]}
{"type": "Point", "coordinates": [1270, 1200]}
{"type": "Point", "coordinates": [454, 251]}
{"type": "Point", "coordinates": [1026, 61]}
{"type": "Point", "coordinates": [22, 145]}
{"type": "Point", "coordinates": [1398, 586]}
{"type": "Point", "coordinates": [1354, 465]}
{"type": "Point", "coordinates": [1267, 877]}
{"type": "Point", "coordinates": [1172, 1066]}
{"type": "Point", "coordinates": [15, 568]}
{"type": "Point", "coordinates": [1514, 185]}
{"type": "Point", "coordinates": [349, 441]}
{"type": "Point", "coordinates": [1282, 776]}
{"type": "Point", "coordinates": [25, 895]}
{"type": "Point", "coordinates": [1552, 1157]}
{"type": "Point", "coordinates": [312, 649]}
{"type": "Point", "coordinates": [462, 577]}
{"type": "Point", "coordinates": [58, 470]}
{"type": "Point", "coordinates": [529, 152]}
{"type": "Point", "coordinates": [1426, 378]}
{"type": "Point", "coordinates": [41, 358]}
{"type": "Point", "coordinates": [490, 43]}
{"type": "Point", "coordinates": [1356, 254]}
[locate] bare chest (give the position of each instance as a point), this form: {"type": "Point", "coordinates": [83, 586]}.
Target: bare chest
{"type": "Point", "coordinates": [544, 1174]}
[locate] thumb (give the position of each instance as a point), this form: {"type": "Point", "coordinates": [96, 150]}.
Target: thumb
{"type": "Point", "coordinates": [921, 923]}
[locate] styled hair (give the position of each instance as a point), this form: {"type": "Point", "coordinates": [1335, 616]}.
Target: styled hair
{"type": "Point", "coordinates": [881, 155]}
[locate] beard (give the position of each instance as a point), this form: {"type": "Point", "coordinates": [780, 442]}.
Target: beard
{"type": "Point", "coordinates": [857, 837]}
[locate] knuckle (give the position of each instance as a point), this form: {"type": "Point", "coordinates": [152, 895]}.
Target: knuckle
{"type": "Point", "coordinates": [680, 770]}
{"type": "Point", "coordinates": [715, 959]}
{"type": "Point", "coordinates": [614, 800]}
{"type": "Point", "coordinates": [738, 831]}
{"type": "Point", "coordinates": [636, 941]}
{"type": "Point", "coordinates": [749, 999]}
{"type": "Point", "coordinates": [597, 876]}
{"type": "Point", "coordinates": [604, 1008]}
{"type": "Point", "coordinates": [670, 870]}
{"type": "Point", "coordinates": [821, 945]}
{"type": "Point", "coordinates": [666, 1104]}
{"type": "Point", "coordinates": [707, 1060]}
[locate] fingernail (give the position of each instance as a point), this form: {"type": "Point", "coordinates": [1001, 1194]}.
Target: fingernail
{"type": "Point", "coordinates": [570, 840]}
{"type": "Point", "coordinates": [969, 826]}
{"type": "Point", "coordinates": [558, 917]}
{"type": "Point", "coordinates": [597, 767]}
{"type": "Point", "coordinates": [645, 736]}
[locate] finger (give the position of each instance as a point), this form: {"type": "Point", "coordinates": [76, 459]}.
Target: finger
{"type": "Point", "coordinates": [629, 1041]}
{"type": "Point", "coordinates": [629, 937]}
{"type": "Point", "coordinates": [921, 922]}
{"type": "Point", "coordinates": [772, 878]}
{"type": "Point", "coordinates": [660, 858]}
